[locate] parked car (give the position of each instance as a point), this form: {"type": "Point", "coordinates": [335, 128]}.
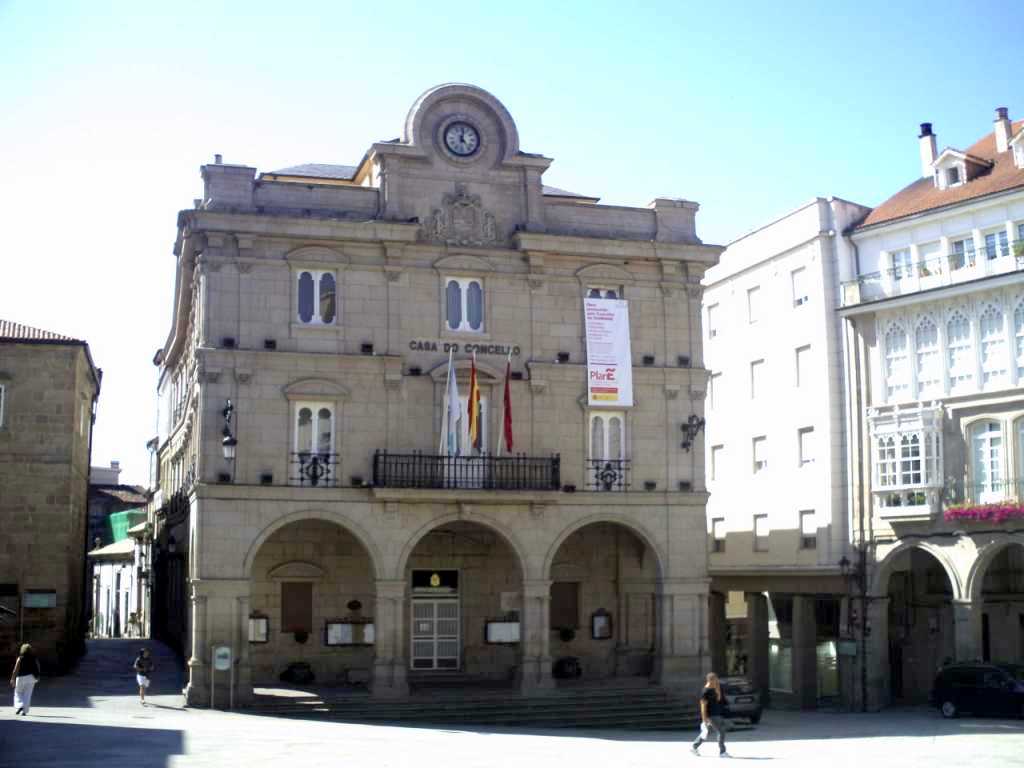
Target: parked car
{"type": "Point", "coordinates": [742, 699]}
{"type": "Point", "coordinates": [980, 689]}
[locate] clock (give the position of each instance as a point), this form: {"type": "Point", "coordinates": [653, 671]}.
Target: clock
{"type": "Point", "coordinates": [461, 139]}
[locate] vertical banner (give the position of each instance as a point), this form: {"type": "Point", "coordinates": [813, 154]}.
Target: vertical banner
{"type": "Point", "coordinates": [609, 364]}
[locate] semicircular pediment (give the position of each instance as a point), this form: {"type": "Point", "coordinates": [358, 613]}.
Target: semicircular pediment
{"type": "Point", "coordinates": [487, 374]}
{"type": "Point", "coordinates": [316, 254]}
{"type": "Point", "coordinates": [462, 262]}
{"type": "Point", "coordinates": [316, 388]}
{"type": "Point", "coordinates": [596, 273]}
{"type": "Point", "coordinates": [297, 569]}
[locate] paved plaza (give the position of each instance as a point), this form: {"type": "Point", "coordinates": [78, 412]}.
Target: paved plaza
{"type": "Point", "coordinates": [93, 718]}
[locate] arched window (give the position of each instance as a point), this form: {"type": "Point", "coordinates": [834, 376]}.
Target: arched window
{"type": "Point", "coordinates": [897, 380]}
{"type": "Point", "coordinates": [993, 347]}
{"type": "Point", "coordinates": [314, 428]}
{"type": "Point", "coordinates": [959, 353]}
{"type": "Point", "coordinates": [987, 462]}
{"type": "Point", "coordinates": [464, 304]}
{"type": "Point", "coordinates": [886, 462]}
{"type": "Point", "coordinates": [929, 364]}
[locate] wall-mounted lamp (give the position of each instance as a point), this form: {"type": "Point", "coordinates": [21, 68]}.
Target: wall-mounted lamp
{"type": "Point", "coordinates": [690, 428]}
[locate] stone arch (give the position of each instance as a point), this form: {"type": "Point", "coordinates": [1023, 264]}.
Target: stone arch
{"type": "Point", "coordinates": [462, 517]}
{"type": "Point", "coordinates": [880, 582]}
{"type": "Point", "coordinates": [635, 528]}
{"type": "Point", "coordinates": [349, 525]}
{"type": "Point", "coordinates": [422, 105]}
{"type": "Point", "coordinates": [979, 566]}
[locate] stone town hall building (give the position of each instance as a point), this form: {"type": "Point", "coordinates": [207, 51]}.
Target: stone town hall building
{"type": "Point", "coordinates": [321, 301]}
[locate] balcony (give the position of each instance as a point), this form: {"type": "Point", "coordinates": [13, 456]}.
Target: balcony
{"type": "Point", "coordinates": [487, 473]}
{"type": "Point", "coordinates": [314, 470]}
{"type": "Point", "coordinates": [608, 474]}
{"type": "Point", "coordinates": [906, 504]}
{"type": "Point", "coordinates": [934, 272]}
{"type": "Point", "coordinates": [987, 493]}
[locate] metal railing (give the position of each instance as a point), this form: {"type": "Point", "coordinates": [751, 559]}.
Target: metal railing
{"type": "Point", "coordinates": [608, 474]}
{"type": "Point", "coordinates": [518, 472]}
{"type": "Point", "coordinates": [985, 493]}
{"type": "Point", "coordinates": [932, 271]}
{"type": "Point", "coordinates": [317, 470]}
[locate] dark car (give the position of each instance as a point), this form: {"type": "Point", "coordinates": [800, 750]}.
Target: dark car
{"type": "Point", "coordinates": [742, 699]}
{"type": "Point", "coordinates": [979, 689]}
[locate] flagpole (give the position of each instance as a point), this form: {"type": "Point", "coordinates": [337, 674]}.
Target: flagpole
{"type": "Point", "coordinates": [447, 405]}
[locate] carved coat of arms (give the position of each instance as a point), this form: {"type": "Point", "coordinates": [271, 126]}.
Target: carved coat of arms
{"type": "Point", "coordinates": [461, 220]}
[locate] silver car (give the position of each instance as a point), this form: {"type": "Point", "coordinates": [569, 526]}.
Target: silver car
{"type": "Point", "coordinates": [742, 699]}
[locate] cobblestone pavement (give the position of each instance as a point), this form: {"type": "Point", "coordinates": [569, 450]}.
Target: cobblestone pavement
{"type": "Point", "coordinates": [93, 718]}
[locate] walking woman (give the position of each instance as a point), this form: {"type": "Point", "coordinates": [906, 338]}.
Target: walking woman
{"type": "Point", "coordinates": [24, 679]}
{"type": "Point", "coordinates": [711, 715]}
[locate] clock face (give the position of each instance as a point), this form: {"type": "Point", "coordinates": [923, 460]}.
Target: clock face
{"type": "Point", "coordinates": [462, 139]}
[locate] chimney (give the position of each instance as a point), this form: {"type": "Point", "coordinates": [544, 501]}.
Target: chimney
{"type": "Point", "coordinates": [928, 150]}
{"type": "Point", "coordinates": [218, 159]}
{"type": "Point", "coordinates": [1003, 129]}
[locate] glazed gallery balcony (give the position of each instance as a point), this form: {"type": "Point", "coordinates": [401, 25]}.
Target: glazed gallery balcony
{"type": "Point", "coordinates": [934, 272]}
{"type": "Point", "coordinates": [489, 473]}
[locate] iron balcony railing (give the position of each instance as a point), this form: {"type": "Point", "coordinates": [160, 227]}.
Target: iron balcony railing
{"type": "Point", "coordinates": [608, 474]}
{"type": "Point", "coordinates": [518, 472]}
{"type": "Point", "coordinates": [985, 493]}
{"type": "Point", "coordinates": [317, 470]}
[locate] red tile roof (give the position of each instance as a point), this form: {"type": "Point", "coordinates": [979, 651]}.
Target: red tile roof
{"type": "Point", "coordinates": [10, 330]}
{"type": "Point", "coordinates": [923, 195]}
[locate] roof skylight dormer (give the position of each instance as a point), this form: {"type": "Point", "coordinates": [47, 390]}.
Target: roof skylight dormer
{"type": "Point", "coordinates": [1017, 146]}
{"type": "Point", "coordinates": [953, 168]}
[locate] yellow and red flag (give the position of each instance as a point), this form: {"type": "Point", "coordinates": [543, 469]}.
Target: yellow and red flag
{"type": "Point", "coordinates": [473, 406]}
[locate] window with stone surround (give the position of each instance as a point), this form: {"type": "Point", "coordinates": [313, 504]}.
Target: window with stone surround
{"type": "Point", "coordinates": [717, 452]}
{"type": "Point", "coordinates": [607, 436]}
{"type": "Point", "coordinates": [805, 445]}
{"type": "Point", "coordinates": [803, 365]}
{"type": "Point", "coordinates": [316, 297]}
{"type": "Point", "coordinates": [604, 291]}
{"type": "Point", "coordinates": [464, 304]}
{"type": "Point", "coordinates": [800, 292]}
{"type": "Point", "coordinates": [760, 451]}
{"type": "Point", "coordinates": [754, 304]}
{"type": "Point", "coordinates": [987, 462]}
{"type": "Point", "coordinates": [314, 428]}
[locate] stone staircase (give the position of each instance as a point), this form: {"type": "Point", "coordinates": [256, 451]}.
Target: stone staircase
{"type": "Point", "coordinates": [632, 707]}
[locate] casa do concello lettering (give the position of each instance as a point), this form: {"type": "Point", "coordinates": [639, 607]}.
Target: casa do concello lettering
{"type": "Point", "coordinates": [431, 345]}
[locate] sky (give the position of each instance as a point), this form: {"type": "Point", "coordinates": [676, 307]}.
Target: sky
{"type": "Point", "coordinates": [107, 110]}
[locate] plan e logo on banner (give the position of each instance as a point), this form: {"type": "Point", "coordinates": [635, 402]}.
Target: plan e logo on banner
{"type": "Point", "coordinates": [609, 362]}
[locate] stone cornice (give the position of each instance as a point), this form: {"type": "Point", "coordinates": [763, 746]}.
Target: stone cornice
{"type": "Point", "coordinates": [597, 247]}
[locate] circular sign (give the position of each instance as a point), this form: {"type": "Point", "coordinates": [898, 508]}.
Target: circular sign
{"type": "Point", "coordinates": [435, 580]}
{"type": "Point", "coordinates": [222, 658]}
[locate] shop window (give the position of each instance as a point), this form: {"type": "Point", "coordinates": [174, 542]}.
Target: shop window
{"type": "Point", "coordinates": [565, 605]}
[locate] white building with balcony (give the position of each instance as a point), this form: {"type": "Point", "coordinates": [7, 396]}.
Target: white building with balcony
{"type": "Point", "coordinates": [933, 313]}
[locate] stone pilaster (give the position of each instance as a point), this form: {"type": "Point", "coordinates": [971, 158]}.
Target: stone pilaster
{"type": "Point", "coordinates": [243, 670]}
{"type": "Point", "coordinates": [967, 630]}
{"type": "Point", "coordinates": [681, 657]}
{"type": "Point", "coordinates": [876, 659]}
{"type": "Point", "coordinates": [536, 637]}
{"type": "Point", "coordinates": [197, 691]}
{"type": "Point", "coordinates": [717, 632]}
{"type": "Point", "coordinates": [389, 661]}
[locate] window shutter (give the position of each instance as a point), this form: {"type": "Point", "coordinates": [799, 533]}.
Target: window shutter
{"type": "Point", "coordinates": [328, 291]}
{"type": "Point", "coordinates": [306, 291]}
{"type": "Point", "coordinates": [453, 296]}
{"type": "Point", "coordinates": [475, 305]}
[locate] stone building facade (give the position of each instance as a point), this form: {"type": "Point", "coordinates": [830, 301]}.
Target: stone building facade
{"type": "Point", "coordinates": [933, 324]}
{"type": "Point", "coordinates": [324, 303]}
{"type": "Point", "coordinates": [48, 392]}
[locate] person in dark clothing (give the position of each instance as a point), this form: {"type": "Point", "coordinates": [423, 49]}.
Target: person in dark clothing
{"type": "Point", "coordinates": [24, 677]}
{"type": "Point", "coordinates": [143, 666]}
{"type": "Point", "coordinates": [711, 715]}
